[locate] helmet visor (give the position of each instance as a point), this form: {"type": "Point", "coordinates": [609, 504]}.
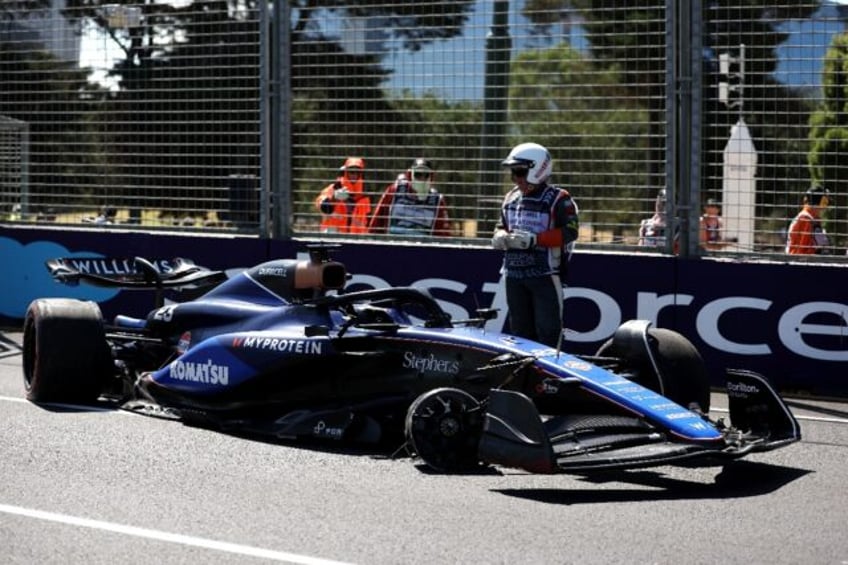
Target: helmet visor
{"type": "Point", "coordinates": [422, 174]}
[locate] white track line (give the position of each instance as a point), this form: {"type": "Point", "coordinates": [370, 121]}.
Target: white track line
{"type": "Point", "coordinates": [797, 417]}
{"type": "Point", "coordinates": [168, 537]}
{"type": "Point", "coordinates": [74, 407]}
{"type": "Point", "coordinates": [13, 399]}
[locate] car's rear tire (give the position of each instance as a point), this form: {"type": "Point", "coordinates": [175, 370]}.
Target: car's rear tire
{"type": "Point", "coordinates": [443, 428]}
{"type": "Point", "coordinates": [683, 374]}
{"type": "Point", "coordinates": [65, 354]}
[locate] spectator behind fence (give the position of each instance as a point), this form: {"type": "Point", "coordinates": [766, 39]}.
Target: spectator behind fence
{"type": "Point", "coordinates": [712, 236]}
{"type": "Point", "coordinates": [652, 230]}
{"type": "Point", "coordinates": [806, 235]}
{"type": "Point", "coordinates": [412, 206]}
{"type": "Point", "coordinates": [343, 204]}
{"type": "Point", "coordinates": [537, 231]}
{"type": "Point", "coordinates": [106, 215]}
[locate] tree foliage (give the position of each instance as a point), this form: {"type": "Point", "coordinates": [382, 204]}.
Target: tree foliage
{"type": "Point", "coordinates": [626, 37]}
{"type": "Point", "coordinates": [630, 35]}
{"type": "Point", "coordinates": [829, 130]}
{"type": "Point", "coordinates": [770, 108]}
{"type": "Point", "coordinates": [416, 23]}
{"type": "Point", "coordinates": [829, 123]}
{"type": "Point", "coordinates": [423, 126]}
{"type": "Point", "coordinates": [15, 9]}
{"type": "Point", "coordinates": [338, 97]}
{"type": "Point", "coordinates": [54, 102]}
{"type": "Point", "coordinates": [560, 99]}
{"type": "Point", "coordinates": [207, 52]}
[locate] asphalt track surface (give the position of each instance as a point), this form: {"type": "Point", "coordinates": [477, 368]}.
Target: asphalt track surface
{"type": "Point", "coordinates": [87, 485]}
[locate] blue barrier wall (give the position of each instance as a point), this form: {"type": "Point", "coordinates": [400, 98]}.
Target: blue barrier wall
{"type": "Point", "coordinates": [786, 321]}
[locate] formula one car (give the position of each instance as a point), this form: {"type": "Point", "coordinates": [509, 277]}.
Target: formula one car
{"type": "Point", "coordinates": [283, 351]}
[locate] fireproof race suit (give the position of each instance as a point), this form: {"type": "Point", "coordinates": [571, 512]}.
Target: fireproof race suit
{"type": "Point", "coordinates": [534, 276]}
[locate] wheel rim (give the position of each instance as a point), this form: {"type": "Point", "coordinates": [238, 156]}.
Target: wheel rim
{"type": "Point", "coordinates": [444, 428]}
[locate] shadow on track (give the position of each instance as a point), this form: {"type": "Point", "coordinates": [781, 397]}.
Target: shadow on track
{"type": "Point", "coordinates": [738, 479]}
{"type": "Point", "coordinates": [60, 407]}
{"type": "Point", "coordinates": [8, 347]}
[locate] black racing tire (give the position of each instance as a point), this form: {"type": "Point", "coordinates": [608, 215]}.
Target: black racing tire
{"type": "Point", "coordinates": [443, 428]}
{"type": "Point", "coordinates": [684, 377]}
{"type": "Point", "coordinates": [66, 357]}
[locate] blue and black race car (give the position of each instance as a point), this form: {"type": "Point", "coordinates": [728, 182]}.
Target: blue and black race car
{"type": "Point", "coordinates": [281, 350]}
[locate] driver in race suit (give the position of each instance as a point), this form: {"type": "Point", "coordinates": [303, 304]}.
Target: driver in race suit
{"type": "Point", "coordinates": [537, 231]}
{"type": "Point", "coordinates": [343, 205]}
{"type": "Point", "coordinates": [411, 206]}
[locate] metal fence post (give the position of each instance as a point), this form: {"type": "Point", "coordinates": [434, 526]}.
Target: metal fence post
{"type": "Point", "coordinates": [683, 98]}
{"type": "Point", "coordinates": [495, 98]}
{"type": "Point", "coordinates": [281, 154]}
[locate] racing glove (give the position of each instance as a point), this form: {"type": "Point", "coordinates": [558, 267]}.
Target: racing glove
{"type": "Point", "coordinates": [499, 239]}
{"type": "Point", "coordinates": [520, 239]}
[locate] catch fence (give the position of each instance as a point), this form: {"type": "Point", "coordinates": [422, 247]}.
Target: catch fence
{"type": "Point", "coordinates": [231, 116]}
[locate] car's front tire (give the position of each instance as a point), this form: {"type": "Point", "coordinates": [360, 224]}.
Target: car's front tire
{"type": "Point", "coordinates": [683, 376]}
{"type": "Point", "coordinates": [65, 354]}
{"type": "Point", "coordinates": [443, 428]}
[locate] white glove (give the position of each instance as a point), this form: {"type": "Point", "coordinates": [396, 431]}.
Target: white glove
{"type": "Point", "coordinates": [341, 194]}
{"type": "Point", "coordinates": [499, 239]}
{"type": "Point", "coordinates": [520, 239]}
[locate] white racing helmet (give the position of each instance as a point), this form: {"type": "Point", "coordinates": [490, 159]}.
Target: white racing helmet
{"type": "Point", "coordinates": [421, 173]}
{"type": "Point", "coordinates": [534, 158]}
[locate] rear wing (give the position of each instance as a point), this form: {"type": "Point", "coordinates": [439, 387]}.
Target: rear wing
{"type": "Point", "coordinates": [135, 273]}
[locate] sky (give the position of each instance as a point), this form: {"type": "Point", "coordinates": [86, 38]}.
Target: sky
{"type": "Point", "coordinates": [99, 53]}
{"type": "Point", "coordinates": [800, 57]}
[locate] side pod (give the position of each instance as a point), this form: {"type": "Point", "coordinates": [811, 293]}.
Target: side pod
{"type": "Point", "coordinates": [756, 408]}
{"type": "Point", "coordinates": [514, 436]}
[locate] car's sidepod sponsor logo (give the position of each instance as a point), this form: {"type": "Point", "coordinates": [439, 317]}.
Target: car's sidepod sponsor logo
{"type": "Point", "coordinates": [681, 415]}
{"type": "Point", "coordinates": [741, 390]}
{"type": "Point", "coordinates": [321, 429]}
{"type": "Point", "coordinates": [208, 372]}
{"type": "Point", "coordinates": [273, 271]}
{"type": "Point", "coordinates": [664, 406]}
{"type": "Point", "coordinates": [429, 363]}
{"type": "Point", "coordinates": [612, 380]}
{"type": "Point", "coordinates": [548, 386]}
{"type": "Point", "coordinates": [577, 365]}
{"type": "Point", "coordinates": [306, 347]}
